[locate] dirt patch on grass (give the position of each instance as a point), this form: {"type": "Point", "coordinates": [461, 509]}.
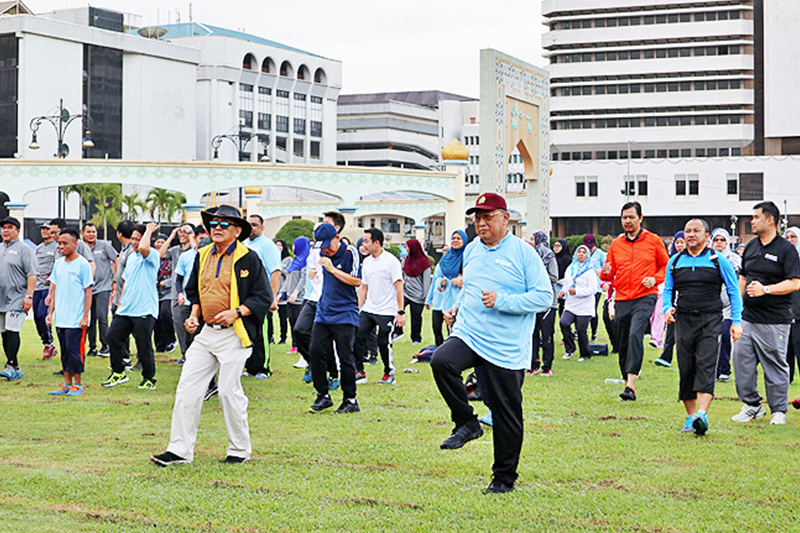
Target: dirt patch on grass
{"type": "Point", "coordinates": [374, 502]}
{"type": "Point", "coordinates": [607, 417]}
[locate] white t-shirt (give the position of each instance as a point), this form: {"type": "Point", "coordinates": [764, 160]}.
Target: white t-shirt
{"type": "Point", "coordinates": [380, 275]}
{"type": "Point", "coordinates": [316, 284]}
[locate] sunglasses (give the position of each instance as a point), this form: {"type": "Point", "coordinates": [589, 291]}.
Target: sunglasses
{"type": "Point", "coordinates": [222, 225]}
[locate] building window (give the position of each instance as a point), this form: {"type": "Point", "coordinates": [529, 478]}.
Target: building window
{"type": "Point", "coordinates": [8, 95]}
{"type": "Point", "coordinates": [286, 70]}
{"type": "Point", "coordinates": [390, 225]}
{"type": "Point", "coordinates": [268, 65]}
{"type": "Point", "coordinates": [320, 77]}
{"type": "Point", "coordinates": [580, 186]}
{"type": "Point", "coordinates": [642, 182]}
{"type": "Point", "coordinates": [733, 184]}
{"type": "Point", "coordinates": [300, 126]}
{"type": "Point", "coordinates": [264, 121]}
{"type": "Point", "coordinates": [751, 186]}
{"type": "Point", "coordinates": [280, 142]}
{"type": "Point", "coordinates": [361, 222]}
{"type": "Point", "coordinates": [315, 149]}
{"type": "Point", "coordinates": [592, 182]}
{"type": "Point", "coordinates": [298, 148]}
{"type": "Point", "coordinates": [680, 185]}
{"type": "Point", "coordinates": [316, 116]}
{"type": "Point", "coordinates": [246, 117]}
{"type": "Point", "coordinates": [694, 184]}
{"type": "Point", "coordinates": [248, 62]}
{"type": "Point", "coordinates": [282, 124]}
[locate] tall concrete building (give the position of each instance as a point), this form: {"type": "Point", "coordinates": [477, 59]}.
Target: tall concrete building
{"type": "Point", "coordinates": [700, 84]}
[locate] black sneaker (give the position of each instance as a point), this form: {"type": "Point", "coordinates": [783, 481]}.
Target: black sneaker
{"type": "Point", "coordinates": [233, 460]}
{"type": "Point", "coordinates": [212, 391]}
{"type": "Point", "coordinates": [628, 395]}
{"type": "Point", "coordinates": [371, 360]}
{"type": "Point", "coordinates": [497, 487]}
{"type": "Point", "coordinates": [323, 402]}
{"type": "Point", "coordinates": [349, 405]}
{"type": "Point", "coordinates": [168, 458]}
{"type": "Point", "coordinates": [462, 435]}
{"type": "Point", "coordinates": [104, 352]}
{"type": "Point", "coordinates": [92, 352]}
{"type": "Point", "coordinates": [137, 367]}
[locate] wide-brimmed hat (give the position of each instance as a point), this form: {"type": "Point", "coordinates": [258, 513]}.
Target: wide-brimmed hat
{"type": "Point", "coordinates": [228, 212]}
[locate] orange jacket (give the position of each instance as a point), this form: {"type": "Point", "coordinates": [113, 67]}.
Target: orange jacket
{"type": "Point", "coordinates": [632, 261]}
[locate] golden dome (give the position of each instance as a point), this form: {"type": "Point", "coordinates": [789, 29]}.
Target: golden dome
{"type": "Point", "coordinates": [455, 151]}
{"type": "Point", "coordinates": [252, 190]}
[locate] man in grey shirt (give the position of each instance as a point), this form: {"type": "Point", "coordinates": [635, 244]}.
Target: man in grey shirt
{"type": "Point", "coordinates": [46, 255]}
{"type": "Point", "coordinates": [180, 312]}
{"type": "Point", "coordinates": [17, 281]}
{"type": "Point", "coordinates": [104, 257]}
{"type": "Point", "coordinates": [58, 224]}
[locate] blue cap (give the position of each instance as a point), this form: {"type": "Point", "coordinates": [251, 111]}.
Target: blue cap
{"type": "Point", "coordinates": [323, 236]}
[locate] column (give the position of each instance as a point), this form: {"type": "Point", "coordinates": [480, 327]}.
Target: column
{"type": "Point", "coordinates": [523, 230]}
{"type": "Point", "coordinates": [419, 234]}
{"type": "Point", "coordinates": [454, 216]}
{"type": "Point", "coordinates": [350, 230]}
{"type": "Point", "coordinates": [192, 213]}
{"type": "Point", "coordinates": [17, 210]}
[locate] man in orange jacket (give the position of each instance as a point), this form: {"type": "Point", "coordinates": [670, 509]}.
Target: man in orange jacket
{"type": "Point", "coordinates": [636, 263]}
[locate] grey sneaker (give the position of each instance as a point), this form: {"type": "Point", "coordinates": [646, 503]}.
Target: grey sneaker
{"type": "Point", "coordinates": [749, 413]}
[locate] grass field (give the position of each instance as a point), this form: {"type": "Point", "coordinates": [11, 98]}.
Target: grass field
{"type": "Point", "coordinates": [589, 462]}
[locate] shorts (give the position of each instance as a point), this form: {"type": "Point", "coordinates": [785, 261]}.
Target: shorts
{"type": "Point", "coordinates": [73, 349]}
{"type": "Point", "coordinates": [12, 320]}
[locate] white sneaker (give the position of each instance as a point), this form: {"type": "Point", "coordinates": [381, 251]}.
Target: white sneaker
{"type": "Point", "coordinates": [301, 363]}
{"type": "Point", "coordinates": [566, 356]}
{"type": "Point", "coordinates": [749, 413]}
{"type": "Point", "coordinates": [778, 418]}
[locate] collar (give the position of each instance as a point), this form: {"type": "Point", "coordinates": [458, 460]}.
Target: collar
{"type": "Point", "coordinates": [496, 246]}
{"type": "Point", "coordinates": [10, 243]}
{"type": "Point", "coordinates": [256, 239]}
{"type": "Point", "coordinates": [229, 251]}
{"type": "Point", "coordinates": [635, 238]}
{"type": "Point", "coordinates": [702, 252]}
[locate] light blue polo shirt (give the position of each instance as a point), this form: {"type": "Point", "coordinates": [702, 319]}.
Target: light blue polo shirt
{"type": "Point", "coordinates": [502, 334]}
{"type": "Point", "coordinates": [268, 252]}
{"type": "Point", "coordinates": [443, 300]}
{"type": "Point", "coordinates": [184, 268]}
{"type": "Point", "coordinates": [71, 280]}
{"type": "Point", "coordinates": [140, 297]}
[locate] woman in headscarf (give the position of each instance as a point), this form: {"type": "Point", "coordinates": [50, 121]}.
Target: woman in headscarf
{"type": "Point", "coordinates": [793, 353]}
{"type": "Point", "coordinates": [720, 242]}
{"type": "Point", "coordinates": [598, 259]}
{"type": "Point", "coordinates": [416, 285]}
{"type": "Point", "coordinates": [545, 325]}
{"type": "Point", "coordinates": [580, 286]}
{"type": "Point", "coordinates": [678, 245]}
{"type": "Point", "coordinates": [447, 283]}
{"type": "Point", "coordinates": [295, 286]}
{"type": "Point", "coordinates": [283, 314]}
{"type": "Point", "coordinates": [564, 260]}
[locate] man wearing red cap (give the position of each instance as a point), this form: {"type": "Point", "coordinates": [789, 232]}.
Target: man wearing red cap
{"type": "Point", "coordinates": [505, 285]}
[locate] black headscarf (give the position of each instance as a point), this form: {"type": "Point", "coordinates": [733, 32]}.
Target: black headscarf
{"type": "Point", "coordinates": [284, 249]}
{"type": "Point", "coordinates": [563, 258]}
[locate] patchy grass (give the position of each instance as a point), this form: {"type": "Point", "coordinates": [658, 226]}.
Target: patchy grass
{"type": "Point", "coordinates": [589, 463]}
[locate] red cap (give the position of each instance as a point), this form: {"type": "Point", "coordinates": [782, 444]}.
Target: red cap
{"type": "Point", "coordinates": [488, 201]}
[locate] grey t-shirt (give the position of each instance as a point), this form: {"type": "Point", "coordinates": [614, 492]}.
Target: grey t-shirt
{"type": "Point", "coordinates": [104, 254]}
{"type": "Point", "coordinates": [46, 255]}
{"type": "Point", "coordinates": [84, 251]}
{"type": "Point", "coordinates": [173, 254]}
{"type": "Point", "coordinates": [17, 262]}
{"type": "Point", "coordinates": [416, 289]}
{"type": "Point", "coordinates": [126, 251]}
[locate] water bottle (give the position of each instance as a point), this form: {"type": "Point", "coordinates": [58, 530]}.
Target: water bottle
{"type": "Point", "coordinates": [612, 381]}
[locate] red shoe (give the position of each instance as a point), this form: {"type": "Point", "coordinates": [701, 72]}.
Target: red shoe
{"type": "Point", "coordinates": [49, 351]}
{"type": "Point", "coordinates": [796, 403]}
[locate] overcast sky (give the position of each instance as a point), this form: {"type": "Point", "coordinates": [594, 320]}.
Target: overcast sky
{"type": "Point", "coordinates": [398, 45]}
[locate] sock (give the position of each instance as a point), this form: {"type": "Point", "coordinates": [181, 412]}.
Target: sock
{"type": "Point", "coordinates": [701, 412]}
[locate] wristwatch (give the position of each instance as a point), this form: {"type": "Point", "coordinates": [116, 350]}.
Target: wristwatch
{"type": "Point", "coordinates": [766, 289]}
{"type": "Point", "coordinates": [239, 312]}
{"type": "Point", "coordinates": [401, 312]}
{"type": "Point", "coordinates": [29, 296]}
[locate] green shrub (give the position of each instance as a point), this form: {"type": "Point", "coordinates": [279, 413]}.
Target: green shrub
{"type": "Point", "coordinates": [294, 229]}
{"type": "Point", "coordinates": [394, 250]}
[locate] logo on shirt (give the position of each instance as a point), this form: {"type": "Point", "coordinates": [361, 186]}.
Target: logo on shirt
{"type": "Point", "coordinates": [503, 262]}
{"type": "Point", "coordinates": [244, 273]}
{"type": "Point", "coordinates": [13, 252]}
{"type": "Point", "coordinates": [773, 258]}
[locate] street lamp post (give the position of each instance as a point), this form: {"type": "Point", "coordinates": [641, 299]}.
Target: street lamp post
{"type": "Point", "coordinates": [61, 122]}
{"type": "Point", "coordinates": [239, 140]}
{"type": "Point", "coordinates": [734, 219]}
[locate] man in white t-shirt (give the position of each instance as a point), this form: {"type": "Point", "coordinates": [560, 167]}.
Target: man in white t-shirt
{"type": "Point", "coordinates": [380, 299]}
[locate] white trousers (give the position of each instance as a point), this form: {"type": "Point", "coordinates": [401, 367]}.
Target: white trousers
{"type": "Point", "coordinates": [211, 350]}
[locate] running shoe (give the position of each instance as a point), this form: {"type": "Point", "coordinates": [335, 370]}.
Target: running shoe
{"type": "Point", "coordinates": [700, 423]}
{"type": "Point", "coordinates": [567, 356]}
{"type": "Point", "coordinates": [628, 395]}
{"type": "Point", "coordinates": [778, 418]}
{"type": "Point", "coordinates": [104, 352]}
{"type": "Point", "coordinates": [261, 375]}
{"type": "Point", "coordinates": [547, 374]}
{"type": "Point", "coordinates": [349, 405]}
{"type": "Point", "coordinates": [307, 375]}
{"type": "Point", "coordinates": [796, 403]}
{"type": "Point", "coordinates": [322, 402]}
{"type": "Point", "coordinates": [212, 391]}
{"type": "Point", "coordinates": [662, 362]}
{"type": "Point", "coordinates": [750, 412]}
{"type": "Point", "coordinates": [461, 435]}
{"type": "Point", "coordinates": [582, 359]}
{"type": "Point", "coordinates": [75, 390]}
{"type": "Point", "coordinates": [115, 379]}
{"type": "Point", "coordinates": [11, 373]}
{"type": "Point", "coordinates": [92, 352]}
{"type": "Point", "coordinates": [292, 351]}
{"type": "Point", "coordinates": [333, 383]}
{"type": "Point", "coordinates": [60, 391]}
{"type": "Point", "coordinates": [724, 378]}
{"type": "Point", "coordinates": [147, 384]}
{"type": "Point", "coordinates": [486, 419]}
{"type": "Point", "coordinates": [49, 351]}
{"type": "Point", "coordinates": [533, 372]}
{"type": "Point", "coordinates": [168, 458]}
{"type": "Point", "coordinates": [361, 378]}
{"type": "Point", "coordinates": [497, 487]}
{"type": "Point", "coordinates": [371, 360]}
{"type": "Point", "coordinates": [301, 363]}
{"type": "Point", "coordinates": [387, 379]}
{"type": "Point", "coordinates": [688, 426]}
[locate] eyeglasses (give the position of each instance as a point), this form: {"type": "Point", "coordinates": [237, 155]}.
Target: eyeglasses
{"type": "Point", "coordinates": [186, 232]}
{"type": "Point", "coordinates": [477, 217]}
{"type": "Point", "coordinates": [223, 225]}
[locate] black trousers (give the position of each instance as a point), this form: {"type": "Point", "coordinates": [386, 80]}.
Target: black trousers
{"type": "Point", "coordinates": [633, 320]}
{"type": "Point", "coordinates": [437, 321]}
{"type": "Point", "coordinates": [697, 343]}
{"type": "Point", "coordinates": [283, 320]}
{"type": "Point", "coordinates": [416, 320]}
{"type": "Point", "coordinates": [98, 325]}
{"type": "Point", "coordinates": [597, 297]}
{"type": "Point", "coordinates": [258, 362]}
{"type": "Point", "coordinates": [11, 344]}
{"type": "Point", "coordinates": [367, 325]}
{"type": "Point", "coordinates": [581, 326]}
{"type": "Point", "coordinates": [270, 327]}
{"type": "Point", "coordinates": [179, 315]}
{"type": "Point", "coordinates": [302, 330]}
{"type": "Point", "coordinates": [322, 338]}
{"type": "Point", "coordinates": [164, 332]}
{"type": "Point", "coordinates": [501, 390]}
{"type": "Point", "coordinates": [611, 328]}
{"type": "Point", "coordinates": [141, 327]}
{"type": "Point", "coordinates": [292, 312]}
{"type": "Point", "coordinates": [669, 343]}
{"type": "Point", "coordinates": [543, 334]}
{"type": "Point", "coordinates": [40, 311]}
{"type": "Point", "coordinates": [724, 363]}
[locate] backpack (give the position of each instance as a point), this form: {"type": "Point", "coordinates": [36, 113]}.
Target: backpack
{"type": "Point", "coordinates": [714, 259]}
{"type": "Point", "coordinates": [425, 355]}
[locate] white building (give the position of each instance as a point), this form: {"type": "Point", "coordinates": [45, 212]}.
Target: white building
{"type": "Point", "coordinates": [284, 98]}
{"type": "Point", "coordinates": [685, 89]}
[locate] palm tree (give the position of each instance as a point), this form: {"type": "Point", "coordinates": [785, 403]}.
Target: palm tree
{"type": "Point", "coordinates": [109, 203]}
{"type": "Point", "coordinates": [84, 194]}
{"type": "Point", "coordinates": [133, 204]}
{"type": "Point", "coordinates": [175, 205]}
{"type": "Point", "coordinates": [157, 201]}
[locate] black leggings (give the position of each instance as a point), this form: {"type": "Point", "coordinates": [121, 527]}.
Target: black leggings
{"type": "Point", "coordinates": [11, 345]}
{"type": "Point", "coordinates": [283, 320]}
{"type": "Point", "coordinates": [416, 320]}
{"type": "Point", "coordinates": [581, 324]}
{"type": "Point", "coordinates": [437, 321]}
{"type": "Point", "coordinates": [597, 297]}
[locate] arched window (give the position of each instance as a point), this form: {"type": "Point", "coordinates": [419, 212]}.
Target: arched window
{"type": "Point", "coordinates": [268, 65]}
{"type": "Point", "coordinates": [248, 62]}
{"type": "Point", "coordinates": [302, 73]}
{"type": "Point", "coordinates": [320, 77]}
{"type": "Point", "coordinates": [286, 70]}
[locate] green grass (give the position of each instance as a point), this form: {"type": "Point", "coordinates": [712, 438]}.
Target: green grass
{"type": "Point", "coordinates": [589, 462]}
